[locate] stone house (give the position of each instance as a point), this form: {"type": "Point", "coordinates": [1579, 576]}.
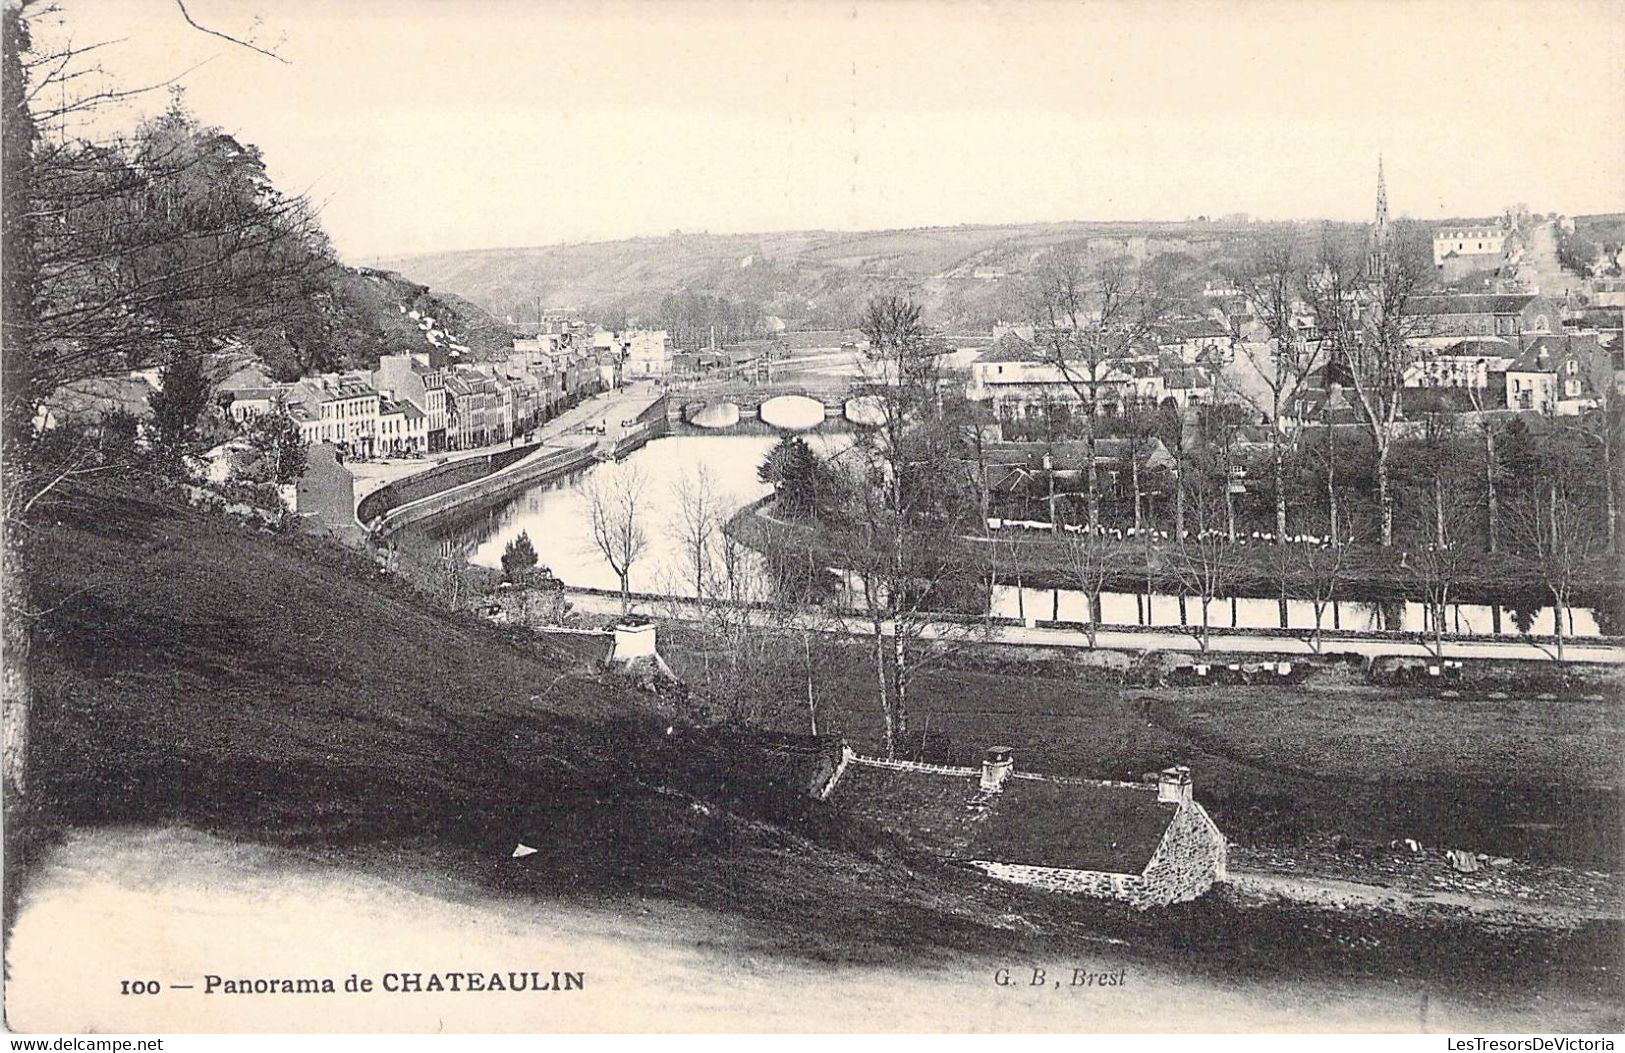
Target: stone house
{"type": "Point", "coordinates": [1557, 374]}
{"type": "Point", "coordinates": [1146, 844]}
{"type": "Point", "coordinates": [1470, 315]}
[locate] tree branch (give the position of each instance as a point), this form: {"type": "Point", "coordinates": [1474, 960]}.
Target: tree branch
{"type": "Point", "coordinates": [226, 36]}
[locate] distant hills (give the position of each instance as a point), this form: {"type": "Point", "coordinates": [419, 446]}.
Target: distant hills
{"type": "Point", "coordinates": [965, 276]}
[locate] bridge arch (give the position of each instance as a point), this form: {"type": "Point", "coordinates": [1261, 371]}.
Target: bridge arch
{"type": "Point", "coordinates": [712, 414]}
{"type": "Point", "coordinates": [793, 412]}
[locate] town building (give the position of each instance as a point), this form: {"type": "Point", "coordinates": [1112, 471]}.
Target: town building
{"type": "Point", "coordinates": [402, 428]}
{"type": "Point", "coordinates": [1558, 374]}
{"type": "Point", "coordinates": [1468, 364]}
{"type": "Point", "coordinates": [1462, 315]}
{"type": "Point", "coordinates": [1021, 380]}
{"type": "Point", "coordinates": [1485, 243]}
{"type": "Point", "coordinates": [1147, 844]}
{"type": "Point", "coordinates": [1194, 339]}
{"type": "Point", "coordinates": [418, 379]}
{"type": "Point", "coordinates": [338, 408]}
{"type": "Point", "coordinates": [648, 354]}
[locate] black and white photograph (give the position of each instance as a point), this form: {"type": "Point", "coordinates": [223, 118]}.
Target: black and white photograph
{"type": "Point", "coordinates": [933, 517]}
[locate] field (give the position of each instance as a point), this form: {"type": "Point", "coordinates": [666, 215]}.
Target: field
{"type": "Point", "coordinates": [1335, 756]}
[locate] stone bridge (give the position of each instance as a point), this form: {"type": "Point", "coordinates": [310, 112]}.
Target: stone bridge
{"type": "Point", "coordinates": [780, 410]}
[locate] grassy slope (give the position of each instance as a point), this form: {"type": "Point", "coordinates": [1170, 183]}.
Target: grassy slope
{"type": "Point", "coordinates": [186, 669]}
{"type": "Point", "coordinates": [1497, 772]}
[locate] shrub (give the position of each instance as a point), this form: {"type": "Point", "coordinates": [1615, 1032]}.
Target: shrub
{"type": "Point", "coordinates": [518, 558]}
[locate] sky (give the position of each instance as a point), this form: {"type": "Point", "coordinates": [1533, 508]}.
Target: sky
{"type": "Point", "coordinates": [426, 126]}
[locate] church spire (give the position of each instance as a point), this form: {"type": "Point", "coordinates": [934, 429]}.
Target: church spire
{"type": "Point", "coordinates": [1382, 201]}
{"type": "Point", "coordinates": [1376, 263]}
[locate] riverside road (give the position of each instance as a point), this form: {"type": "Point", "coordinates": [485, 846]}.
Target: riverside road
{"type": "Point", "coordinates": [1127, 638]}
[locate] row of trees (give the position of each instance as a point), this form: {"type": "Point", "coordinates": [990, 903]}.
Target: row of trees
{"type": "Point", "coordinates": [1331, 314]}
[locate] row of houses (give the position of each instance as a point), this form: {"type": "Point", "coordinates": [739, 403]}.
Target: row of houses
{"type": "Point", "coordinates": [1513, 352]}
{"type": "Point", "coordinates": [1027, 373]}
{"type": "Point", "coordinates": [1471, 351]}
{"type": "Point", "coordinates": [419, 403]}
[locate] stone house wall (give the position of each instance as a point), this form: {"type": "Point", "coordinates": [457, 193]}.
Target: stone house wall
{"type": "Point", "coordinates": [1127, 887]}
{"type": "Point", "coordinates": [1191, 857]}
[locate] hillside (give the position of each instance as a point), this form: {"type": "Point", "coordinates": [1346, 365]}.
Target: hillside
{"type": "Point", "coordinates": [185, 671]}
{"type": "Point", "coordinates": [361, 313]}
{"type": "Point", "coordinates": [967, 276]}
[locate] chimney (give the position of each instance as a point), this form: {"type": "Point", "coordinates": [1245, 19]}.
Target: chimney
{"type": "Point", "coordinates": [1174, 785]}
{"type": "Point", "coordinates": [634, 638]}
{"type": "Point", "coordinates": [996, 765]}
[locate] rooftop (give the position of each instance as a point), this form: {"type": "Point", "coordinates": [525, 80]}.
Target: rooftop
{"type": "Point", "coordinates": [1470, 303]}
{"type": "Point", "coordinates": [1010, 348]}
{"type": "Point", "coordinates": [1035, 820]}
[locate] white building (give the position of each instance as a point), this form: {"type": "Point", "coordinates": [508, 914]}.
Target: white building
{"type": "Point", "coordinates": [339, 408]}
{"type": "Point", "coordinates": [1461, 364]}
{"type": "Point", "coordinates": [648, 353]}
{"type": "Point", "coordinates": [1467, 241]}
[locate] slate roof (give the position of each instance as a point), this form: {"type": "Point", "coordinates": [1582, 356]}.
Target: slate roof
{"type": "Point", "coordinates": [1075, 824]}
{"type": "Point", "coordinates": [405, 407]}
{"type": "Point", "coordinates": [1086, 826]}
{"type": "Point", "coordinates": [1563, 343]}
{"type": "Point", "coordinates": [1193, 329]}
{"type": "Point", "coordinates": [1010, 348]}
{"type": "Point", "coordinates": [1481, 347]}
{"type": "Point", "coordinates": [1469, 303]}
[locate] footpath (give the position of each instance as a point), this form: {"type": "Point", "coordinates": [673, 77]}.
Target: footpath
{"type": "Point", "coordinates": [608, 407]}
{"type": "Point", "coordinates": [562, 445]}
{"type": "Point", "coordinates": [1130, 638]}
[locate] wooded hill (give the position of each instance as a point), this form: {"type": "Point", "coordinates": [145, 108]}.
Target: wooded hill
{"type": "Point", "coordinates": [965, 276]}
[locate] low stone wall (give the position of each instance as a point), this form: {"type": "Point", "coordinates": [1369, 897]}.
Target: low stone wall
{"type": "Point", "coordinates": [1129, 888]}
{"type": "Point", "coordinates": [437, 479]}
{"type": "Point", "coordinates": [484, 487]}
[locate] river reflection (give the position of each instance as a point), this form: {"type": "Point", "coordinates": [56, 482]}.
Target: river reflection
{"type": "Point", "coordinates": [555, 515]}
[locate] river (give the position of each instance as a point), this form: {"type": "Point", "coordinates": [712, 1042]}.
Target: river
{"type": "Point", "coordinates": [555, 516]}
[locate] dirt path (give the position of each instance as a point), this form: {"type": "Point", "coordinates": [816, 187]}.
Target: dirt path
{"type": "Point", "coordinates": [1339, 894]}
{"type": "Point", "coordinates": [177, 906]}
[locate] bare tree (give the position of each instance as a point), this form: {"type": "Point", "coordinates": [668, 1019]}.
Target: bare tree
{"type": "Point", "coordinates": [1489, 430]}
{"type": "Point", "coordinates": [1369, 329]}
{"type": "Point", "coordinates": [1206, 562]}
{"type": "Point", "coordinates": [1318, 573]}
{"type": "Point", "coordinates": [909, 498]}
{"type": "Point", "coordinates": [800, 610]}
{"type": "Point", "coordinates": [702, 511]}
{"type": "Point", "coordinates": [1558, 538]}
{"type": "Point", "coordinates": [1438, 564]}
{"type": "Point", "coordinates": [1602, 427]}
{"type": "Point", "coordinates": [123, 254]}
{"type": "Point", "coordinates": [1090, 559]}
{"type": "Point", "coordinates": [1092, 318]}
{"type": "Point", "coordinates": [615, 505]}
{"type": "Point", "coordinates": [1270, 282]}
